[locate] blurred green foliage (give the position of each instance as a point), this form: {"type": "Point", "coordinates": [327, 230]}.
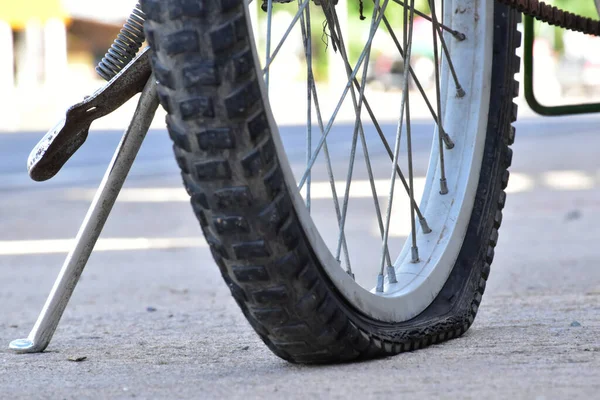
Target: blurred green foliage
{"type": "Point", "coordinates": [581, 7]}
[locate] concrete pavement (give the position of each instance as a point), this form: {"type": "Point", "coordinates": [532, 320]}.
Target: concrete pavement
{"type": "Point", "coordinates": [160, 323]}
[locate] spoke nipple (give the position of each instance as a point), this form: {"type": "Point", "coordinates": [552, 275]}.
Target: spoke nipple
{"type": "Point", "coordinates": [459, 35]}
{"type": "Point", "coordinates": [379, 283]}
{"type": "Point", "coordinates": [351, 275]}
{"type": "Point", "coordinates": [443, 186]}
{"type": "Point", "coordinates": [391, 273]}
{"type": "Point", "coordinates": [460, 92]}
{"type": "Point", "coordinates": [415, 254]}
{"type": "Point", "coordinates": [424, 225]}
{"type": "Point", "coordinates": [447, 141]}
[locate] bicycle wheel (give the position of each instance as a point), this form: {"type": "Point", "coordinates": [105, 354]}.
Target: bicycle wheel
{"type": "Point", "coordinates": [295, 287]}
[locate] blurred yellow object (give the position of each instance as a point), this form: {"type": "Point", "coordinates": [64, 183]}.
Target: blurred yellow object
{"type": "Point", "coordinates": [18, 12]}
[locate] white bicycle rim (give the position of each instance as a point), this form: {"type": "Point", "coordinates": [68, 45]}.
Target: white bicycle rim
{"type": "Point", "coordinates": [448, 215]}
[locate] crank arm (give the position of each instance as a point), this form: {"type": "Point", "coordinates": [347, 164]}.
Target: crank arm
{"type": "Point", "coordinates": [61, 142]}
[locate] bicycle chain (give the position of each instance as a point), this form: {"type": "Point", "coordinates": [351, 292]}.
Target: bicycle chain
{"type": "Point", "coordinates": [555, 16]}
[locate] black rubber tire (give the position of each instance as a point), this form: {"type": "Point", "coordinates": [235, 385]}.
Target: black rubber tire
{"type": "Point", "coordinates": [230, 168]}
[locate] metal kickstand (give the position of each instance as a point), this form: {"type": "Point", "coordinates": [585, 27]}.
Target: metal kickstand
{"type": "Point", "coordinates": [103, 201]}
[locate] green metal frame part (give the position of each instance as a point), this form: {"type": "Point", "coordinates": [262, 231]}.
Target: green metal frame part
{"type": "Point", "coordinates": [552, 111]}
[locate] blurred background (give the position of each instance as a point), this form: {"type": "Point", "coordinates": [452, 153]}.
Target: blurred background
{"type": "Point", "coordinates": [49, 50]}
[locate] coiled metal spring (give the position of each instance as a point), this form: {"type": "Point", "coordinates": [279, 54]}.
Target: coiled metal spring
{"type": "Point", "coordinates": [125, 47]}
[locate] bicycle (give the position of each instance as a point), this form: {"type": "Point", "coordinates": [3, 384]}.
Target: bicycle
{"type": "Point", "coordinates": [298, 291]}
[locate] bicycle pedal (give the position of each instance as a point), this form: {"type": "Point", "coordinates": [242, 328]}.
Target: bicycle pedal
{"type": "Point", "coordinates": [62, 141]}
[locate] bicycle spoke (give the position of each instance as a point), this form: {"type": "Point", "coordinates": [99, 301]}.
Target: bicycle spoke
{"type": "Point", "coordinates": [457, 35]}
{"type": "Point", "coordinates": [408, 47]}
{"type": "Point", "coordinates": [460, 92]}
{"type": "Point", "coordinates": [422, 221]}
{"type": "Point", "coordinates": [412, 72]}
{"type": "Point", "coordinates": [354, 86]}
{"type": "Point", "coordinates": [414, 248]}
{"type": "Point", "coordinates": [333, 23]}
{"type": "Point", "coordinates": [446, 137]}
{"type": "Point", "coordinates": [305, 26]}
{"type": "Point", "coordinates": [285, 36]}
{"type": "Point", "coordinates": [338, 39]}
{"type": "Point", "coordinates": [443, 182]}
{"type": "Point", "coordinates": [340, 102]}
{"type": "Point", "coordinates": [331, 178]}
{"type": "Point", "coordinates": [375, 196]}
{"type": "Point", "coordinates": [347, 191]}
{"type": "Point", "coordinates": [307, 40]}
{"type": "Point", "coordinates": [268, 56]}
